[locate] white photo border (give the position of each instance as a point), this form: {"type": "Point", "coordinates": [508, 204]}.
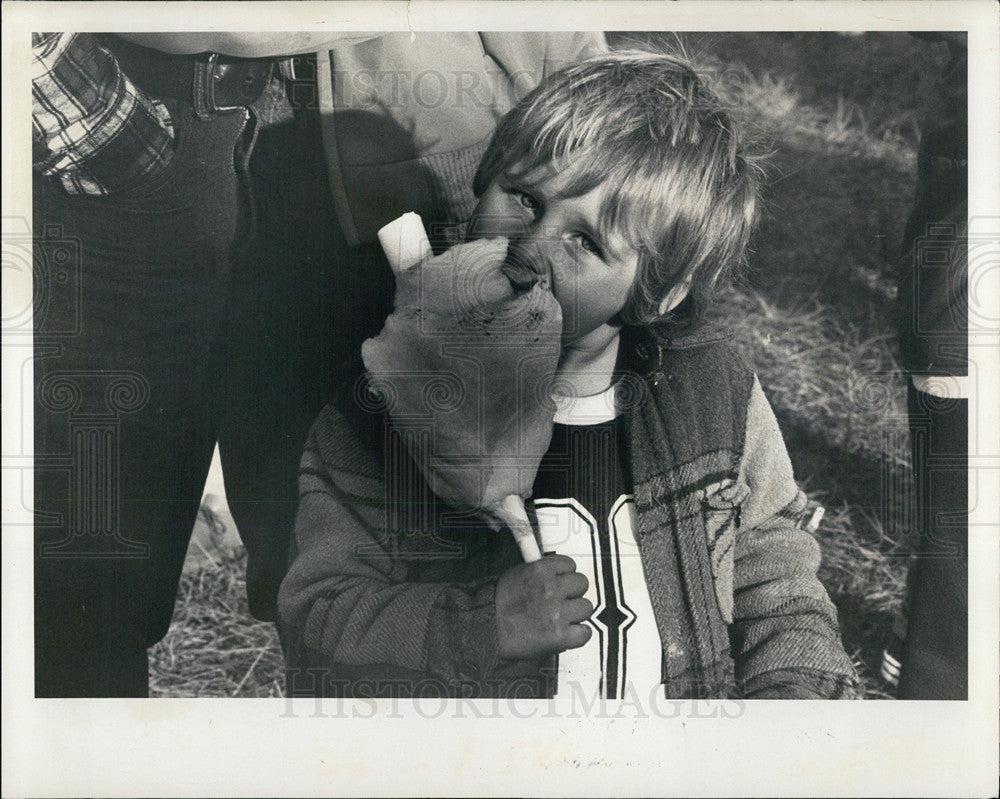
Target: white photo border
{"type": "Point", "coordinates": [276, 747]}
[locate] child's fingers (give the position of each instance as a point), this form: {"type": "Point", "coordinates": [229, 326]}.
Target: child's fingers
{"type": "Point", "coordinates": [557, 564]}
{"type": "Point", "coordinates": [576, 636]}
{"type": "Point", "coordinates": [577, 610]}
{"type": "Point", "coordinates": [573, 585]}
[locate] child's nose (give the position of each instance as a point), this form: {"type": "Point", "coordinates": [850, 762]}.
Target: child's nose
{"type": "Point", "coordinates": [527, 262]}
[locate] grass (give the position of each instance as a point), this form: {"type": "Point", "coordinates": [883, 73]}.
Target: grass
{"type": "Point", "coordinates": [840, 115]}
{"type": "Point", "coordinates": [840, 400]}
{"type": "Point", "coordinates": [214, 647]}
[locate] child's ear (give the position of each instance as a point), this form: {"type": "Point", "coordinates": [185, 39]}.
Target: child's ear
{"type": "Point", "coordinates": [675, 296]}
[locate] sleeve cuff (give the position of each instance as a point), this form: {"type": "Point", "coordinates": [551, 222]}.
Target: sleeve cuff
{"type": "Point", "coordinates": [801, 684]}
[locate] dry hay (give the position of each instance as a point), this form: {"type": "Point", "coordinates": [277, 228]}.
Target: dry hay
{"type": "Point", "coordinates": [214, 647]}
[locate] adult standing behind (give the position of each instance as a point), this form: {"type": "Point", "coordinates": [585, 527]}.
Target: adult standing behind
{"type": "Point", "coordinates": [934, 345]}
{"type": "Point", "coordinates": [142, 217]}
{"type": "Point", "coordinates": [198, 281]}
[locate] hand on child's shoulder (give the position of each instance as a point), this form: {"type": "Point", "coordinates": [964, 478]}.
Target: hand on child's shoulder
{"type": "Point", "coordinates": [541, 608]}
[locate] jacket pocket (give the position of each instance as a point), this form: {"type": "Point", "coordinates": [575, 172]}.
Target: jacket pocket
{"type": "Point", "coordinates": [721, 507]}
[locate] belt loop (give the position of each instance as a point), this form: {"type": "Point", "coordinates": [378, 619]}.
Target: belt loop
{"type": "Point", "coordinates": [300, 74]}
{"type": "Point", "coordinates": [201, 78]}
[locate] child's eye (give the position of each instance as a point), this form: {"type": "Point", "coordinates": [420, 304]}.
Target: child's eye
{"type": "Point", "coordinates": [589, 245]}
{"type": "Point", "coordinates": [527, 201]}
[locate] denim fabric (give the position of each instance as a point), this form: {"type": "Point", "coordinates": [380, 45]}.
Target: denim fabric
{"type": "Point", "coordinates": [131, 295]}
{"type": "Point", "coordinates": [286, 312]}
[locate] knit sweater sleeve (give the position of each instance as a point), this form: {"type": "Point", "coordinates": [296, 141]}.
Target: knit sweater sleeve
{"type": "Point", "coordinates": [349, 594]}
{"type": "Point", "coordinates": [785, 636]}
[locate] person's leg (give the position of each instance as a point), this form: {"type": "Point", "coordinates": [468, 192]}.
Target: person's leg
{"type": "Point", "coordinates": [125, 329]}
{"type": "Point", "coordinates": [932, 302]}
{"type": "Point", "coordinates": [278, 368]}
{"type": "Point", "coordinates": [935, 653]}
{"type": "Point", "coordinates": [302, 304]}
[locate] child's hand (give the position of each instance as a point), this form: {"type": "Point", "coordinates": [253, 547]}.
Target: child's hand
{"type": "Point", "coordinates": [540, 608]}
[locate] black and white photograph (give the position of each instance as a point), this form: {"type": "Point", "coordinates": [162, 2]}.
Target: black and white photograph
{"type": "Point", "coordinates": [513, 398]}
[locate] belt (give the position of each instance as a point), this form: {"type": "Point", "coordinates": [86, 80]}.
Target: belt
{"type": "Point", "coordinates": [213, 83]}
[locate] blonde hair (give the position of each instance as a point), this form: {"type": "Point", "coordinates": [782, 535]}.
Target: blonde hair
{"type": "Point", "coordinates": [680, 188]}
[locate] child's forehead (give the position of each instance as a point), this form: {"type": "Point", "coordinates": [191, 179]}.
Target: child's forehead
{"type": "Point", "coordinates": [546, 175]}
{"type": "Point", "coordinates": [563, 178]}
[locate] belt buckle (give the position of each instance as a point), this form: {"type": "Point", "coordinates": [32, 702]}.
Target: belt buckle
{"type": "Point", "coordinates": [240, 82]}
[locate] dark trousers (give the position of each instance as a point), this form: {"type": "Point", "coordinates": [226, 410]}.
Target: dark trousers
{"type": "Point", "coordinates": [934, 341]}
{"type": "Point", "coordinates": [935, 655]}
{"type": "Point", "coordinates": [168, 318]}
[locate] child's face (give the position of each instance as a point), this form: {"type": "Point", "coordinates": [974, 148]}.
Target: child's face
{"type": "Point", "coordinates": [559, 238]}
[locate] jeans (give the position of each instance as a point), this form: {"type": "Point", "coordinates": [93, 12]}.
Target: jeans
{"type": "Point", "coordinates": [149, 348]}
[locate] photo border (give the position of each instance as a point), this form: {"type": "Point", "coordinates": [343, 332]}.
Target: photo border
{"type": "Point", "coordinates": [283, 747]}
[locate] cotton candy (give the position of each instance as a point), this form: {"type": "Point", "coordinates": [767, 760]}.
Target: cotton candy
{"type": "Point", "coordinates": [465, 363]}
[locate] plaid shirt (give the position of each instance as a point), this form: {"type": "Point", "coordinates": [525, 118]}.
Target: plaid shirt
{"type": "Point", "coordinates": [92, 129]}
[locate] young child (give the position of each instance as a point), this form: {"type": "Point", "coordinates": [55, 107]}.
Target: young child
{"type": "Point", "coordinates": [665, 502]}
